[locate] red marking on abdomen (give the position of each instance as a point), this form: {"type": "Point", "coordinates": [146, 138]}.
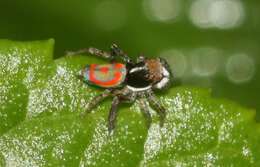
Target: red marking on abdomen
{"type": "Point", "coordinates": [112, 82]}
{"type": "Point", "coordinates": [119, 65]}
{"type": "Point", "coordinates": [104, 69]}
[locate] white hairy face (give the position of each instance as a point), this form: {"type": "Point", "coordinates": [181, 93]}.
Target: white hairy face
{"type": "Point", "coordinates": [164, 81]}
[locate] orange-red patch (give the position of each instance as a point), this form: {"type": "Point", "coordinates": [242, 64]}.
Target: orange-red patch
{"type": "Point", "coordinates": [104, 69]}
{"type": "Point", "coordinates": [110, 75]}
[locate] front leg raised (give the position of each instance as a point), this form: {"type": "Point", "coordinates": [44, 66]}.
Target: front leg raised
{"type": "Point", "coordinates": [93, 51]}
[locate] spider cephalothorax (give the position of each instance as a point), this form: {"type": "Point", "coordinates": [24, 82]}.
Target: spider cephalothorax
{"type": "Point", "coordinates": [127, 81]}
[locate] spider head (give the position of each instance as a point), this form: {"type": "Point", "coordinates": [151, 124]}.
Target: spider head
{"type": "Point", "coordinates": [159, 72]}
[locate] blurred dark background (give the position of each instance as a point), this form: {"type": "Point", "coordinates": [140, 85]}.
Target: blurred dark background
{"type": "Point", "coordinates": [209, 43]}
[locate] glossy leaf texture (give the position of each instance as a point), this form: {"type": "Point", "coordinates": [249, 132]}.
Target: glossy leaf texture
{"type": "Point", "coordinates": [41, 124]}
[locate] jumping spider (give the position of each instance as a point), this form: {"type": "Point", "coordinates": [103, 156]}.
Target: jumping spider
{"type": "Point", "coordinates": [127, 81]}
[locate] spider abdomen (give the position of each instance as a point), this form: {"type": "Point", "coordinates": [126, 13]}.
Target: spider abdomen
{"type": "Point", "coordinates": [106, 75]}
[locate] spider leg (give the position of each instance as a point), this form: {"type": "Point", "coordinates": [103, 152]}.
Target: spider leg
{"type": "Point", "coordinates": [122, 95]}
{"type": "Point", "coordinates": [140, 58]}
{"type": "Point", "coordinates": [145, 110]}
{"type": "Point", "coordinates": [94, 102]}
{"type": "Point", "coordinates": [113, 114]}
{"type": "Point", "coordinates": [93, 51]}
{"type": "Point", "coordinates": [116, 51]}
{"type": "Point", "coordinates": [154, 102]}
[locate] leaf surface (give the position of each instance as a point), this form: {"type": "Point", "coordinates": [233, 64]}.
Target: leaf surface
{"type": "Point", "coordinates": [40, 123]}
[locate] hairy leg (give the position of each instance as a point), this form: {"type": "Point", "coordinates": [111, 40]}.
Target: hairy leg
{"type": "Point", "coordinates": [145, 110]}
{"type": "Point", "coordinates": [116, 51]}
{"type": "Point", "coordinates": [93, 51]}
{"type": "Point", "coordinates": [154, 102]}
{"type": "Point", "coordinates": [113, 114]}
{"type": "Point", "coordinates": [122, 95]}
{"type": "Point", "coordinates": [96, 100]}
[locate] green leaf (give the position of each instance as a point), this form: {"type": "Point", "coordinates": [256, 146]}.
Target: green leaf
{"type": "Point", "coordinates": [22, 64]}
{"type": "Point", "coordinates": [40, 123]}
